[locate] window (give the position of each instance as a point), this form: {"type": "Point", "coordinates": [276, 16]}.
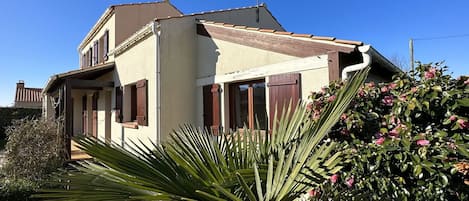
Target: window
{"type": "Point", "coordinates": [103, 47]}
{"type": "Point", "coordinates": [248, 105]}
{"type": "Point", "coordinates": [134, 103]}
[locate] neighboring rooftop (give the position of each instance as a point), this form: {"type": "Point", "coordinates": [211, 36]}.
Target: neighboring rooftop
{"type": "Point", "coordinates": [27, 95]}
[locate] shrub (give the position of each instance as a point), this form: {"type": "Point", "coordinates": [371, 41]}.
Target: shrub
{"type": "Point", "coordinates": [8, 114]}
{"type": "Point", "coordinates": [409, 138]}
{"type": "Point", "coordinates": [35, 148]}
{"type": "Point", "coordinates": [14, 190]}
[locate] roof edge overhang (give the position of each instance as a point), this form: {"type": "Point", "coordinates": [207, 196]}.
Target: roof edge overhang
{"type": "Point", "coordinates": [383, 61]}
{"type": "Point", "coordinates": [56, 79]}
{"type": "Point", "coordinates": [97, 26]}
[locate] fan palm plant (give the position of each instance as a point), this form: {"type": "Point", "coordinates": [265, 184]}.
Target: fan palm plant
{"type": "Point", "coordinates": [196, 165]}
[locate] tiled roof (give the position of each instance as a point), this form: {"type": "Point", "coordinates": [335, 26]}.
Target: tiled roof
{"type": "Point", "coordinates": [211, 12]}
{"type": "Point", "coordinates": [28, 95]}
{"type": "Point", "coordinates": [283, 33]}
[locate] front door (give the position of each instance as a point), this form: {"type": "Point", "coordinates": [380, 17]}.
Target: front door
{"type": "Point", "coordinates": [94, 108]}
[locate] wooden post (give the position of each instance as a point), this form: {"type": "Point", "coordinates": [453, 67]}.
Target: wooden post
{"type": "Point", "coordinates": [68, 115]}
{"type": "Point", "coordinates": [411, 51]}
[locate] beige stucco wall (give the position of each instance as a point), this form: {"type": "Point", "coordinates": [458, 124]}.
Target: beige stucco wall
{"type": "Point", "coordinates": [109, 25]}
{"type": "Point", "coordinates": [217, 57]}
{"type": "Point", "coordinates": [136, 63]}
{"type": "Point", "coordinates": [178, 69]}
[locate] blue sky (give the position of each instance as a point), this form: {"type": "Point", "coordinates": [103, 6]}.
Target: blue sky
{"type": "Point", "coordinates": [40, 38]}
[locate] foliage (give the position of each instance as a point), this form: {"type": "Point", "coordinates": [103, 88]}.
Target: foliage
{"type": "Point", "coordinates": [195, 165]}
{"type": "Point", "coordinates": [14, 190]}
{"type": "Point", "coordinates": [34, 149]}
{"type": "Point", "coordinates": [9, 114]}
{"type": "Point", "coordinates": [409, 138]}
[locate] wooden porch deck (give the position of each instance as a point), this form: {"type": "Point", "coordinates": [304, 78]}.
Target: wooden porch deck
{"type": "Point", "coordinates": [78, 154]}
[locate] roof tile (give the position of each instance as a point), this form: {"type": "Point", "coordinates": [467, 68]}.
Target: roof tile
{"type": "Point", "coordinates": [302, 35]}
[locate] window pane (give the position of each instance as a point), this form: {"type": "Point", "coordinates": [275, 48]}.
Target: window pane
{"type": "Point", "coordinates": [241, 105]}
{"type": "Point", "coordinates": [260, 112]}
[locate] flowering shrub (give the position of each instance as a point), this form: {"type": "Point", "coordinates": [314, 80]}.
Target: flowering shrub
{"type": "Point", "coordinates": [408, 139]}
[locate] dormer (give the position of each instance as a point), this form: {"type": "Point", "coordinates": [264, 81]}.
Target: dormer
{"type": "Point", "coordinates": [116, 24]}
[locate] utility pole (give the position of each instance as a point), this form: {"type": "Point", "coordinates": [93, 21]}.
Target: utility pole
{"type": "Point", "coordinates": [411, 51]}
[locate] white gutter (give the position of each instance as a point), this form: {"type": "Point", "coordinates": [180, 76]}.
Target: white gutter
{"type": "Point", "coordinates": [366, 62]}
{"type": "Point", "coordinates": [157, 31]}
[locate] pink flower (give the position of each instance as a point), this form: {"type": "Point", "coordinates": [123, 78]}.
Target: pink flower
{"type": "Point", "coordinates": [309, 107]}
{"type": "Point", "coordinates": [387, 100]}
{"type": "Point", "coordinates": [430, 73]}
{"type": "Point", "coordinates": [403, 97]}
{"type": "Point", "coordinates": [313, 193]}
{"type": "Point", "coordinates": [380, 141]}
{"type": "Point", "coordinates": [413, 89]}
{"type": "Point", "coordinates": [423, 142]}
{"type": "Point", "coordinates": [350, 182]}
{"type": "Point", "coordinates": [343, 116]}
{"type": "Point", "coordinates": [334, 178]}
{"type": "Point", "coordinates": [462, 123]}
{"type": "Point", "coordinates": [453, 118]}
{"type": "Point", "coordinates": [384, 89]}
{"type": "Point", "coordinates": [392, 85]}
{"type": "Point", "coordinates": [331, 98]}
{"type": "Point", "coordinates": [371, 84]}
{"type": "Point", "coordinates": [394, 133]}
{"type": "Point", "coordinates": [361, 93]}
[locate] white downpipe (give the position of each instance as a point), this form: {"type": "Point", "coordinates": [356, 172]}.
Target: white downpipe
{"type": "Point", "coordinates": [157, 31]}
{"type": "Point", "coordinates": [366, 62]}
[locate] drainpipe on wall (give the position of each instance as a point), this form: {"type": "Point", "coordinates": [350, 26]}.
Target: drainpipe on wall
{"type": "Point", "coordinates": [157, 31]}
{"type": "Point", "coordinates": [366, 62]}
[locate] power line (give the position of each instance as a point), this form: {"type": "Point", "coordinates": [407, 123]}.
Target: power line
{"type": "Point", "coordinates": [443, 37]}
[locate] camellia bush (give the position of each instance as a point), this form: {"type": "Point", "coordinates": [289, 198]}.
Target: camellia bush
{"type": "Point", "coordinates": [408, 139]}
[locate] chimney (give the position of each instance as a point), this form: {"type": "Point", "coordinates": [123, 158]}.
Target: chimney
{"type": "Point", "coordinates": [20, 84]}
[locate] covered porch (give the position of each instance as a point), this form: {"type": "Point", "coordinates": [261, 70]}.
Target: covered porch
{"type": "Point", "coordinates": [82, 99]}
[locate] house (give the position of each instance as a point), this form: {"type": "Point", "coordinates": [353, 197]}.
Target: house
{"type": "Point", "coordinates": [147, 68]}
{"type": "Point", "coordinates": [27, 97]}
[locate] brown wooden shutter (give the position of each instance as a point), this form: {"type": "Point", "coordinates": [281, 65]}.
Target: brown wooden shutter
{"type": "Point", "coordinates": [211, 98]}
{"type": "Point", "coordinates": [282, 89]}
{"type": "Point", "coordinates": [90, 57]}
{"type": "Point", "coordinates": [105, 45]}
{"type": "Point", "coordinates": [142, 100]}
{"type": "Point", "coordinates": [95, 53]}
{"type": "Point", "coordinates": [94, 108]}
{"type": "Point", "coordinates": [118, 108]}
{"type": "Point", "coordinates": [101, 50]}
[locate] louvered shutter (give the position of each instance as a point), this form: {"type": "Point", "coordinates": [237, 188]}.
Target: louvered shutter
{"type": "Point", "coordinates": [105, 45]}
{"type": "Point", "coordinates": [118, 108]}
{"type": "Point", "coordinates": [142, 100]}
{"type": "Point", "coordinates": [211, 98]}
{"type": "Point", "coordinates": [101, 50]}
{"type": "Point", "coordinates": [282, 89]}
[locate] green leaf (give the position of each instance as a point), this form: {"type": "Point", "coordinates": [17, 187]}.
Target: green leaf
{"type": "Point", "coordinates": [464, 102]}
{"type": "Point", "coordinates": [417, 170]}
